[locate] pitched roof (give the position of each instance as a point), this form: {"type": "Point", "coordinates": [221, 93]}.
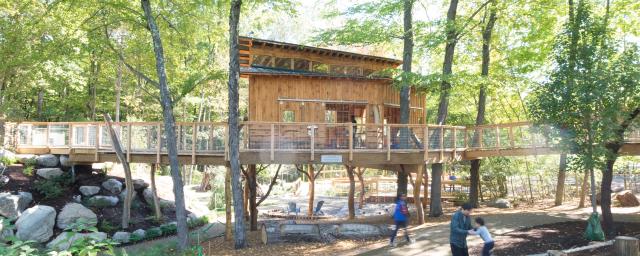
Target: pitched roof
{"type": "Point", "coordinates": [305, 48]}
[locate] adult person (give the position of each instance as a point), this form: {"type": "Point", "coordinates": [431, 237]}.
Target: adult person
{"type": "Point", "coordinates": [401, 218]}
{"type": "Point", "coordinates": [460, 227]}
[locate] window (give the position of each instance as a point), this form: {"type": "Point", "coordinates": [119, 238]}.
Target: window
{"type": "Point", "coordinates": [367, 72]}
{"type": "Point", "coordinates": [262, 60]}
{"type": "Point", "coordinates": [320, 67]}
{"type": "Point", "coordinates": [338, 70]}
{"type": "Point", "coordinates": [284, 63]}
{"type": "Point", "coordinates": [352, 71]}
{"type": "Point", "coordinates": [288, 116]}
{"type": "Point", "coordinates": [301, 64]}
{"type": "Point", "coordinates": [330, 116]}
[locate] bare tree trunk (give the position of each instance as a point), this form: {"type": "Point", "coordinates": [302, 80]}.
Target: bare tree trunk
{"type": "Point", "coordinates": [360, 175]}
{"type": "Point", "coordinates": [118, 89]}
{"type": "Point", "coordinates": [352, 191]}
{"type": "Point", "coordinates": [227, 204]}
{"type": "Point", "coordinates": [40, 103]}
{"type": "Point", "coordinates": [402, 181]}
{"type": "Point", "coordinates": [425, 184]}
{"type": "Point", "coordinates": [117, 147]}
{"type": "Point", "coordinates": [273, 182]}
{"type": "Point", "coordinates": [561, 179]}
{"type": "Point", "coordinates": [234, 129]}
{"type": "Point", "coordinates": [583, 191]}
{"type": "Point", "coordinates": [169, 127]}
{"type": "Point", "coordinates": [416, 195]}
{"type": "Point", "coordinates": [312, 185]}
{"type": "Point", "coordinates": [253, 206]}
{"type": "Point", "coordinates": [482, 99]}
{"type": "Point", "coordinates": [605, 197]}
{"type": "Point", "coordinates": [156, 202]}
{"type": "Point", "coordinates": [435, 209]}
{"type": "Point", "coordinates": [405, 90]}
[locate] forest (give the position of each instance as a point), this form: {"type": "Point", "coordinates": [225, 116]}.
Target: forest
{"type": "Point", "coordinates": [172, 127]}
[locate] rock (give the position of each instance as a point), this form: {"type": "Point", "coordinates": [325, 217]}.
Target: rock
{"type": "Point", "coordinates": [501, 203]}
{"type": "Point", "coordinates": [148, 197]}
{"type": "Point", "coordinates": [89, 190]}
{"type": "Point", "coordinates": [66, 239]}
{"type": "Point", "coordinates": [11, 206]}
{"type": "Point", "coordinates": [7, 154]}
{"type": "Point", "coordinates": [64, 161]}
{"type": "Point", "coordinates": [627, 199]}
{"type": "Point", "coordinates": [74, 212]}
{"type": "Point", "coordinates": [616, 189]}
{"type": "Point", "coordinates": [26, 158]}
{"type": "Point", "coordinates": [49, 173]}
{"type": "Point", "coordinates": [122, 237]}
{"type": "Point", "coordinates": [123, 194]}
{"type": "Point", "coordinates": [139, 184]}
{"type": "Point", "coordinates": [139, 233]}
{"type": "Point", "coordinates": [77, 199]}
{"type": "Point", "coordinates": [5, 231]}
{"type": "Point", "coordinates": [112, 185]}
{"type": "Point", "coordinates": [102, 201]}
{"type": "Point", "coordinates": [36, 223]}
{"type": "Point", "coordinates": [47, 161]}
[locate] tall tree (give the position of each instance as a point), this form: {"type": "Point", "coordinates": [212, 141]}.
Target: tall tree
{"type": "Point", "coordinates": [562, 172]}
{"type": "Point", "coordinates": [435, 206]}
{"type": "Point", "coordinates": [169, 126]}
{"type": "Point", "coordinates": [234, 128]}
{"type": "Point", "coordinates": [487, 30]}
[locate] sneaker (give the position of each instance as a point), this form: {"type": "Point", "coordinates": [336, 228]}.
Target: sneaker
{"type": "Point", "coordinates": [393, 244]}
{"type": "Point", "coordinates": [411, 241]}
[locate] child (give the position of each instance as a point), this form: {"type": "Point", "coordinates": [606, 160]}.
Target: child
{"type": "Point", "coordinates": [483, 232]}
{"type": "Point", "coordinates": [401, 217]}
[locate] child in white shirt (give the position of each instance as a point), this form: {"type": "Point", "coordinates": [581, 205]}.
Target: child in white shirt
{"type": "Point", "coordinates": [482, 231]}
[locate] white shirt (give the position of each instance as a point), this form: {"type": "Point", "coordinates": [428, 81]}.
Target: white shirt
{"type": "Point", "coordinates": [483, 232]}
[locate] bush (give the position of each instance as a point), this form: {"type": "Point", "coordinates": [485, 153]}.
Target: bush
{"type": "Point", "coordinates": [6, 160]}
{"type": "Point", "coordinates": [169, 229]}
{"type": "Point", "coordinates": [192, 223]}
{"type": "Point", "coordinates": [30, 162]}
{"type": "Point", "coordinates": [106, 226]}
{"type": "Point", "coordinates": [28, 170]}
{"type": "Point", "coordinates": [54, 187]}
{"type": "Point", "coordinates": [153, 233]}
{"type": "Point", "coordinates": [135, 238]}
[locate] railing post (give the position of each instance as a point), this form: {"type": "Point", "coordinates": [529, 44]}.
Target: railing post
{"type": "Point", "coordinates": [273, 141]}
{"type": "Point", "coordinates": [159, 144]}
{"type": "Point", "coordinates": [480, 138]}
{"type": "Point", "coordinates": [313, 142]}
{"type": "Point", "coordinates": [47, 135]}
{"type": "Point", "coordinates": [351, 143]}
{"type": "Point", "coordinates": [441, 144]}
{"type": "Point", "coordinates": [194, 139]}
{"type": "Point", "coordinates": [511, 138]}
{"type": "Point", "coordinates": [179, 137]}
{"type": "Point", "coordinates": [454, 142]}
{"type": "Point", "coordinates": [498, 136]}
{"type": "Point", "coordinates": [128, 142]}
{"type": "Point", "coordinates": [98, 137]}
{"type": "Point", "coordinates": [466, 137]}
{"type": "Point", "coordinates": [425, 144]}
{"type": "Point", "coordinates": [85, 141]}
{"type": "Point", "coordinates": [70, 136]}
{"type": "Point", "coordinates": [226, 144]}
{"type": "Point", "coordinates": [388, 142]}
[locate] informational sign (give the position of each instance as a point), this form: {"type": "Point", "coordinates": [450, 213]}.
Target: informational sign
{"type": "Point", "coordinates": [331, 158]}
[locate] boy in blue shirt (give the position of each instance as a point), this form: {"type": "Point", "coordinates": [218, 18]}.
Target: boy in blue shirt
{"type": "Point", "coordinates": [482, 231]}
{"type": "Point", "coordinates": [401, 217]}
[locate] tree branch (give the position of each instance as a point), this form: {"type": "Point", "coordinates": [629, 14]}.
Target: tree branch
{"type": "Point", "coordinates": [301, 170]}
{"type": "Point", "coordinates": [318, 172]}
{"type": "Point", "coordinates": [273, 182]}
{"type": "Point", "coordinates": [461, 31]}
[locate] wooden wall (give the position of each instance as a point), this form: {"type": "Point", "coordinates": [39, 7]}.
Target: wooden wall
{"type": "Point", "coordinates": [266, 94]}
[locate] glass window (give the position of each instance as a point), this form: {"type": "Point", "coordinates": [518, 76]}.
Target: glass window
{"type": "Point", "coordinates": [320, 67]}
{"type": "Point", "coordinates": [352, 71]}
{"type": "Point", "coordinates": [288, 116]}
{"type": "Point", "coordinates": [262, 60]}
{"type": "Point", "coordinates": [330, 116]}
{"type": "Point", "coordinates": [301, 64]}
{"type": "Point", "coordinates": [338, 70]}
{"type": "Point", "coordinates": [284, 63]}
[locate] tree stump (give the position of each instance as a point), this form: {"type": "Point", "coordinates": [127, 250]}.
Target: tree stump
{"type": "Point", "coordinates": [626, 246]}
{"type": "Point", "coordinates": [300, 232]}
{"type": "Point", "coordinates": [270, 233]}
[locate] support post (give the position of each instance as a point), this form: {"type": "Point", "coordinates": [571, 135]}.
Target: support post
{"type": "Point", "coordinates": [350, 143]}
{"type": "Point", "coordinates": [159, 134]}
{"type": "Point", "coordinates": [47, 135]}
{"type": "Point", "coordinates": [194, 138]}
{"type": "Point", "coordinates": [128, 143]}
{"type": "Point", "coordinates": [388, 142]}
{"type": "Point", "coordinates": [441, 144]}
{"type": "Point", "coordinates": [511, 138]}
{"type": "Point", "coordinates": [425, 144]}
{"type": "Point", "coordinates": [498, 137]}
{"type": "Point", "coordinates": [454, 142]}
{"type": "Point", "coordinates": [98, 137]}
{"type": "Point", "coordinates": [273, 142]}
{"type": "Point", "coordinates": [70, 135]}
{"type": "Point", "coordinates": [313, 142]}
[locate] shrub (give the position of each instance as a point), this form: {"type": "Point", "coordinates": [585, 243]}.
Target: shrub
{"type": "Point", "coordinates": [6, 160]}
{"type": "Point", "coordinates": [54, 187]}
{"type": "Point", "coordinates": [28, 170]}
{"type": "Point", "coordinates": [153, 233]}
{"type": "Point", "coordinates": [192, 223]}
{"type": "Point", "coordinates": [135, 238]}
{"type": "Point", "coordinates": [106, 226]}
{"type": "Point", "coordinates": [169, 229]}
{"type": "Point", "coordinates": [30, 162]}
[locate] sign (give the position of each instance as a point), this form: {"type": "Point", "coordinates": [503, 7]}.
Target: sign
{"type": "Point", "coordinates": [331, 158]}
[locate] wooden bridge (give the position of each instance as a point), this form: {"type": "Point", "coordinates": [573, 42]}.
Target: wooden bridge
{"type": "Point", "coordinates": [366, 145]}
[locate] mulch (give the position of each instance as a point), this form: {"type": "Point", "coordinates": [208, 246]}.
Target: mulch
{"type": "Point", "coordinates": [556, 236]}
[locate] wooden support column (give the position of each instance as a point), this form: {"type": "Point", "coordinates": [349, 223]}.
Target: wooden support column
{"type": "Point", "coordinates": [454, 142]}
{"type": "Point", "coordinates": [128, 142]}
{"type": "Point", "coordinates": [498, 137]}
{"type": "Point", "coordinates": [388, 142]}
{"type": "Point", "coordinates": [425, 144]}
{"type": "Point", "coordinates": [159, 146]}
{"type": "Point", "coordinates": [416, 194]}
{"type": "Point", "coordinates": [194, 138]}
{"type": "Point", "coordinates": [441, 144]}
{"type": "Point", "coordinates": [273, 142]}
{"type": "Point", "coordinates": [350, 143]}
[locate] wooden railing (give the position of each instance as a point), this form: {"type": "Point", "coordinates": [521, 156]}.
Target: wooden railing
{"type": "Point", "coordinates": [206, 138]}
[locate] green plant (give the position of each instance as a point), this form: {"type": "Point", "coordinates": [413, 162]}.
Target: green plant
{"type": "Point", "coordinates": [90, 247]}
{"type": "Point", "coordinates": [19, 248]}
{"type": "Point", "coordinates": [153, 233]}
{"type": "Point", "coordinates": [135, 238]}
{"type": "Point", "coordinates": [54, 187]}
{"type": "Point", "coordinates": [30, 162]}
{"type": "Point", "coordinates": [169, 228]}
{"type": "Point", "coordinates": [106, 226]}
{"type": "Point", "coordinates": [7, 160]}
{"type": "Point", "coordinates": [28, 170]}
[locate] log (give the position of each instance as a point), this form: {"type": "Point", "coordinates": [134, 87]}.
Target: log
{"type": "Point", "coordinates": [360, 231]}
{"type": "Point", "coordinates": [626, 246]}
{"type": "Point", "coordinates": [300, 232]}
{"type": "Point", "coordinates": [270, 233]}
{"type": "Point", "coordinates": [274, 232]}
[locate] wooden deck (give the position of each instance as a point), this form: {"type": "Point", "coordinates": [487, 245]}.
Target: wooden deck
{"type": "Point", "coordinates": [384, 146]}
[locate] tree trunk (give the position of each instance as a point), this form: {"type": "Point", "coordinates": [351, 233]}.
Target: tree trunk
{"type": "Point", "coordinates": [156, 202]}
{"type": "Point", "coordinates": [402, 182]}
{"type": "Point", "coordinates": [234, 136]}
{"type": "Point", "coordinates": [405, 90]}
{"type": "Point", "coordinates": [40, 103]}
{"type": "Point", "coordinates": [435, 204]}
{"type": "Point", "coordinates": [425, 185]}
{"type": "Point", "coordinates": [312, 184]}
{"type": "Point", "coordinates": [227, 204]}
{"type": "Point", "coordinates": [583, 191]}
{"type": "Point", "coordinates": [352, 191]}
{"type": "Point", "coordinates": [273, 182]}
{"type": "Point", "coordinates": [117, 147]}
{"type": "Point", "coordinates": [118, 89]}
{"type": "Point", "coordinates": [561, 179]}
{"type": "Point", "coordinates": [253, 207]}
{"type": "Point", "coordinates": [360, 175]}
{"type": "Point", "coordinates": [416, 195]}
{"type": "Point", "coordinates": [482, 99]}
{"type": "Point", "coordinates": [605, 196]}
{"type": "Point", "coordinates": [169, 127]}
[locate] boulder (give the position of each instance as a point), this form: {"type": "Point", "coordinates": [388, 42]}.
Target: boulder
{"type": "Point", "coordinates": [74, 212]}
{"type": "Point", "coordinates": [5, 231]}
{"type": "Point", "coordinates": [148, 197]}
{"type": "Point", "coordinates": [102, 201]}
{"type": "Point", "coordinates": [501, 203]}
{"type": "Point", "coordinates": [123, 194]}
{"type": "Point", "coordinates": [36, 223]}
{"type": "Point", "coordinates": [7, 154]}
{"type": "Point", "coordinates": [112, 185]}
{"type": "Point", "coordinates": [626, 198]}
{"type": "Point", "coordinates": [77, 199]}
{"type": "Point", "coordinates": [49, 173]}
{"type": "Point", "coordinates": [66, 239]}
{"type": "Point", "coordinates": [139, 233]}
{"type": "Point", "coordinates": [122, 237]}
{"type": "Point", "coordinates": [140, 184]}
{"type": "Point", "coordinates": [25, 158]}
{"type": "Point", "coordinates": [64, 161]}
{"type": "Point", "coordinates": [48, 161]}
{"type": "Point", "coordinates": [11, 206]}
{"type": "Point", "coordinates": [89, 190]}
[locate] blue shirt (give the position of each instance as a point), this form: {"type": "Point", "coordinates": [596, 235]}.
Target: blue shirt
{"type": "Point", "coordinates": [460, 226]}
{"type": "Point", "coordinates": [397, 214]}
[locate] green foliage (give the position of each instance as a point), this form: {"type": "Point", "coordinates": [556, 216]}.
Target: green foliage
{"type": "Point", "coordinates": [30, 162]}
{"type": "Point", "coordinates": [152, 233]}
{"type": "Point", "coordinates": [7, 160]}
{"type": "Point", "coordinates": [135, 238]}
{"type": "Point", "coordinates": [91, 247]}
{"type": "Point", "coordinates": [192, 223]}
{"type": "Point", "coordinates": [169, 228]}
{"type": "Point", "coordinates": [54, 187]}
{"type": "Point", "coordinates": [28, 170]}
{"type": "Point", "coordinates": [19, 248]}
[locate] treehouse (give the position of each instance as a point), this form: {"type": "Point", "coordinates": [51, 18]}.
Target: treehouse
{"type": "Point", "coordinates": [308, 91]}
